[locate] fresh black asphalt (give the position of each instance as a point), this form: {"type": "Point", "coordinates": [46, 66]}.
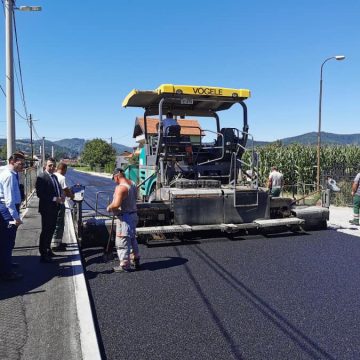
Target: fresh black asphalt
{"type": "Point", "coordinates": [283, 296]}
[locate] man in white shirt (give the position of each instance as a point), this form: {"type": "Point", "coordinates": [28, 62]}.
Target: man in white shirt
{"type": "Point", "coordinates": [276, 182]}
{"type": "Point", "coordinates": [10, 199]}
{"type": "Point", "coordinates": [57, 244]}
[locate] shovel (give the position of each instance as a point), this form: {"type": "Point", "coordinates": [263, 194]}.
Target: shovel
{"type": "Point", "coordinates": [108, 253]}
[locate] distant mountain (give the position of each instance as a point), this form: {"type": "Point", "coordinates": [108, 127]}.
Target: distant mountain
{"type": "Point", "coordinates": [311, 139]}
{"type": "Point", "coordinates": [72, 148]}
{"type": "Point", "coordinates": [76, 145]}
{"type": "Point", "coordinates": [65, 148]}
{"type": "Point", "coordinates": [121, 148]}
{"type": "Point", "coordinates": [25, 145]}
{"type": "Point", "coordinates": [326, 138]}
{"type": "Point", "coordinates": [257, 143]}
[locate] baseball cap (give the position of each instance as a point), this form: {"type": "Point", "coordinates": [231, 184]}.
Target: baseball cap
{"type": "Point", "coordinates": [117, 171]}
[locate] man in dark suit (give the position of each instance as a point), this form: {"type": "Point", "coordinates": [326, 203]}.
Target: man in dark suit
{"type": "Point", "coordinates": [50, 197]}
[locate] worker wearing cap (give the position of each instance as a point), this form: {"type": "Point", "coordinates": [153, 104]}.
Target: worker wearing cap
{"type": "Point", "coordinates": [124, 208]}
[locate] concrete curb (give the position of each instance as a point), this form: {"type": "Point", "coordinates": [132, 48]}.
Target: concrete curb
{"type": "Point", "coordinates": [88, 339]}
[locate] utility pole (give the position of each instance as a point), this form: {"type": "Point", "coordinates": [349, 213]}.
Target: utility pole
{"type": "Point", "coordinates": [10, 110]}
{"type": "Point", "coordinates": [31, 139]}
{"type": "Point", "coordinates": [52, 151]}
{"type": "Point", "coordinates": [10, 107]}
{"type": "Point", "coordinates": [111, 141]}
{"type": "Point", "coordinates": [43, 151]}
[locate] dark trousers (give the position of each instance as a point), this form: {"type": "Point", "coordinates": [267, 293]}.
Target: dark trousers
{"type": "Point", "coordinates": [48, 225]}
{"type": "Point", "coordinates": [60, 224]}
{"type": "Point", "coordinates": [7, 239]}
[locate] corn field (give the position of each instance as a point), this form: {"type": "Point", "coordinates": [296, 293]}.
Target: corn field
{"type": "Point", "coordinates": [298, 162]}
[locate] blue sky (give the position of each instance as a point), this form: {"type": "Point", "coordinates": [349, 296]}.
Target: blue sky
{"type": "Point", "coordinates": [81, 58]}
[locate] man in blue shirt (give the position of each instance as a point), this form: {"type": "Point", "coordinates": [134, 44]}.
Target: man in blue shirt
{"type": "Point", "coordinates": [170, 126]}
{"type": "Point", "coordinates": [10, 199]}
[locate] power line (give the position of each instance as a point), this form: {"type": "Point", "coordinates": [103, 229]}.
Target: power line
{"type": "Point", "coordinates": [2, 89]}
{"type": "Point", "coordinates": [35, 132]}
{"type": "Point", "coordinates": [23, 117]}
{"type": "Point", "coordinates": [20, 71]}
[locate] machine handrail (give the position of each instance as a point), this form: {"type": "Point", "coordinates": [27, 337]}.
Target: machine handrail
{"type": "Point", "coordinates": [97, 198]}
{"type": "Point", "coordinates": [214, 147]}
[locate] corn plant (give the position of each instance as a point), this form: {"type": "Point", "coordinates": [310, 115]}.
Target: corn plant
{"type": "Point", "coordinates": [298, 162]}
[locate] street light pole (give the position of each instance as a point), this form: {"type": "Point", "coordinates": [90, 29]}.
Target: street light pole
{"type": "Point", "coordinates": [337, 57]}
{"type": "Point", "coordinates": [10, 108]}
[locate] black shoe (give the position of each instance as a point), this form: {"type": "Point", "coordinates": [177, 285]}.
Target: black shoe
{"type": "Point", "coordinates": [13, 276]}
{"type": "Point", "coordinates": [45, 259]}
{"type": "Point", "coordinates": [137, 264]}
{"type": "Point", "coordinates": [15, 265]}
{"type": "Point", "coordinates": [50, 253]}
{"type": "Point", "coordinates": [60, 247]}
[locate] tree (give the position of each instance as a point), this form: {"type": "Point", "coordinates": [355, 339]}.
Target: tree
{"type": "Point", "coordinates": [98, 152]}
{"type": "Point", "coordinates": [3, 153]}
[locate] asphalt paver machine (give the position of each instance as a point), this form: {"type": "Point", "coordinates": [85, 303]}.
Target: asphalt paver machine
{"type": "Point", "coordinates": [190, 184]}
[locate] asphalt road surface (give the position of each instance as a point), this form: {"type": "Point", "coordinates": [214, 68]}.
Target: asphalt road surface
{"type": "Point", "coordinates": [283, 296]}
{"type": "Point", "coordinates": [93, 184]}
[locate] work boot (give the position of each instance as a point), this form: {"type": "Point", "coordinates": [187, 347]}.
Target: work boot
{"type": "Point", "coordinates": [354, 222]}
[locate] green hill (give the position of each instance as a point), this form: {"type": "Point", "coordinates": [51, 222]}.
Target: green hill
{"type": "Point", "coordinates": [326, 138]}
{"type": "Point", "coordinates": [65, 148]}
{"type": "Point", "coordinates": [311, 139]}
{"type": "Point", "coordinates": [72, 148]}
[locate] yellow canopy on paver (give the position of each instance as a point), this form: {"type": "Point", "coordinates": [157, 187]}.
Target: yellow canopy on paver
{"type": "Point", "coordinates": [186, 99]}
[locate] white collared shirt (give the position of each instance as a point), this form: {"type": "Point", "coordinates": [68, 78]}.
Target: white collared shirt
{"type": "Point", "coordinates": [61, 179]}
{"type": "Point", "coordinates": [9, 190]}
